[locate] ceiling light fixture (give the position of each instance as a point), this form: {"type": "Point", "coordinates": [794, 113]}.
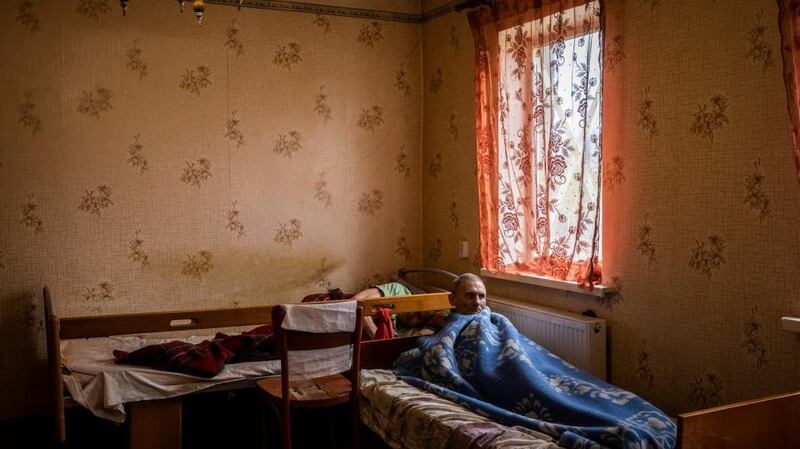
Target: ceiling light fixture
{"type": "Point", "coordinates": [199, 8]}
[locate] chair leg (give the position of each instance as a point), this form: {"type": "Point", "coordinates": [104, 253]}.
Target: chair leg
{"type": "Point", "coordinates": [278, 423]}
{"type": "Point", "coordinates": [266, 430]}
{"type": "Point", "coordinates": [331, 417]}
{"type": "Point", "coordinates": [263, 426]}
{"type": "Point", "coordinates": [356, 418]}
{"type": "Point", "coordinates": [286, 429]}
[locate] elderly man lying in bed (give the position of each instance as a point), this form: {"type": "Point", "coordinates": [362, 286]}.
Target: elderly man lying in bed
{"type": "Point", "coordinates": [478, 359]}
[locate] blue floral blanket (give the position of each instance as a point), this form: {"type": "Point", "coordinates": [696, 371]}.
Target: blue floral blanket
{"type": "Point", "coordinates": [482, 362]}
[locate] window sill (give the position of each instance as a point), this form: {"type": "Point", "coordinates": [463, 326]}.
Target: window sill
{"type": "Point", "coordinates": [570, 286]}
{"type": "Point", "coordinates": [790, 324]}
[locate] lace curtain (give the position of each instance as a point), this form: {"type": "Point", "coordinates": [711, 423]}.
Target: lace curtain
{"type": "Point", "coordinates": [538, 137]}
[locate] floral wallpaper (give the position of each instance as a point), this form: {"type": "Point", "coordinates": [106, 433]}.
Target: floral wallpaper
{"type": "Point", "coordinates": [147, 163]}
{"type": "Point", "coordinates": [701, 206]}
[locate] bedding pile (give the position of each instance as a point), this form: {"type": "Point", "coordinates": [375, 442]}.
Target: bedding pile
{"type": "Point", "coordinates": [482, 362]}
{"type": "Point", "coordinates": [96, 382]}
{"type": "Point", "coordinates": [204, 359]}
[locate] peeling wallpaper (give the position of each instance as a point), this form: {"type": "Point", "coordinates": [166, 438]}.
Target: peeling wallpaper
{"type": "Point", "coordinates": [150, 164]}
{"type": "Point", "coordinates": [700, 199]}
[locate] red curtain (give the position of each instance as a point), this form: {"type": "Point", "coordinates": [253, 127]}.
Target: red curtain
{"type": "Point", "coordinates": [538, 137]}
{"type": "Point", "coordinates": [789, 18]}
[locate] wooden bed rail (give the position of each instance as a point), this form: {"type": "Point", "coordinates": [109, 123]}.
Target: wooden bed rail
{"type": "Point", "coordinates": [404, 272]}
{"type": "Point", "coordinates": [426, 302]}
{"type": "Point", "coordinates": [140, 323]}
{"type": "Point", "coordinates": [381, 354]}
{"type": "Point", "coordinates": [772, 422]}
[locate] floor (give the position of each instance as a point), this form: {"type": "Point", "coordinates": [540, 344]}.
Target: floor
{"type": "Point", "coordinates": [214, 420]}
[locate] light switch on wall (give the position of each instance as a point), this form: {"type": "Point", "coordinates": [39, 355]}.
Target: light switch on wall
{"type": "Point", "coordinates": [464, 251]}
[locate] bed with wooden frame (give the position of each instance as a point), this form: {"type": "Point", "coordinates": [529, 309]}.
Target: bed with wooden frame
{"type": "Point", "coordinates": [767, 423]}
{"type": "Point", "coordinates": [771, 422]}
{"type": "Point", "coordinates": [157, 423]}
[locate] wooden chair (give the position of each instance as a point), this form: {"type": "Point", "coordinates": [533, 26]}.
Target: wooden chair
{"type": "Point", "coordinates": [320, 392]}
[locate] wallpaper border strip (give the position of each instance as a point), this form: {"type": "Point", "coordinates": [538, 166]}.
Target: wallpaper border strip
{"type": "Point", "coordinates": [342, 11]}
{"type": "Point", "coordinates": [439, 11]}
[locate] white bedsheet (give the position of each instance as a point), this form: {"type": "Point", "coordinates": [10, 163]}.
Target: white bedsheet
{"type": "Point", "coordinates": [102, 386]}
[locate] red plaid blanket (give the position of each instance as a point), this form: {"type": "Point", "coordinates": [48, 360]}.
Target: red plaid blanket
{"type": "Point", "coordinates": [207, 358]}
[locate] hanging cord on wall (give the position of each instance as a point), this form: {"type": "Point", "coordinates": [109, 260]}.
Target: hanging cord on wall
{"type": "Point", "coordinates": [227, 113]}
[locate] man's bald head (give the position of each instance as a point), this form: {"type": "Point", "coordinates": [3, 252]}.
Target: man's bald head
{"type": "Point", "coordinates": [468, 295]}
{"type": "Point", "coordinates": [465, 277]}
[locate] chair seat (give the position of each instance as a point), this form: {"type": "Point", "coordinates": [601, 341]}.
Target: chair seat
{"type": "Point", "coordinates": [327, 332]}
{"type": "Point", "coordinates": [309, 393]}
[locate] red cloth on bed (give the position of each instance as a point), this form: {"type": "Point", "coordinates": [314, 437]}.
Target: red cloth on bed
{"type": "Point", "coordinates": [383, 322]}
{"type": "Point", "coordinates": [204, 359]}
{"type": "Point", "coordinates": [333, 294]}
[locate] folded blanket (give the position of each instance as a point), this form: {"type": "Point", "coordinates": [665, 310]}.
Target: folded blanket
{"type": "Point", "coordinates": [482, 362]}
{"type": "Point", "coordinates": [207, 358]}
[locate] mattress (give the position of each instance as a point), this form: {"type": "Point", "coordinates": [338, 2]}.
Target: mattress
{"type": "Point", "coordinates": [407, 417]}
{"type": "Point", "coordinates": [102, 386]}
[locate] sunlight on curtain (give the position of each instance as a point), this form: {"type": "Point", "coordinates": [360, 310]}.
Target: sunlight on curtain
{"type": "Point", "coordinates": [789, 19]}
{"type": "Point", "coordinates": [538, 135]}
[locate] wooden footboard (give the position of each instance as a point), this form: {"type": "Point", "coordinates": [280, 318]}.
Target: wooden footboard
{"type": "Point", "coordinates": [155, 424]}
{"type": "Point", "coordinates": [772, 422]}
{"type": "Point", "coordinates": [381, 354]}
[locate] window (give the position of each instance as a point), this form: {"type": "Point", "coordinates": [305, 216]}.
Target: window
{"type": "Point", "coordinates": [539, 150]}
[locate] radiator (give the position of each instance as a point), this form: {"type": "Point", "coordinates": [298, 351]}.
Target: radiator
{"type": "Point", "coordinates": [575, 338]}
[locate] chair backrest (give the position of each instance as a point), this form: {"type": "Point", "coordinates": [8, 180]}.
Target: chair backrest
{"type": "Point", "coordinates": [292, 340]}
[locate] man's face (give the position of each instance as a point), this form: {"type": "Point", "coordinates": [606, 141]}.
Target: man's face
{"type": "Point", "coordinates": [469, 298]}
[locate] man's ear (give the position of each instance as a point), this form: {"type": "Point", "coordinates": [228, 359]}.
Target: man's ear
{"type": "Point", "coordinates": [450, 298]}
